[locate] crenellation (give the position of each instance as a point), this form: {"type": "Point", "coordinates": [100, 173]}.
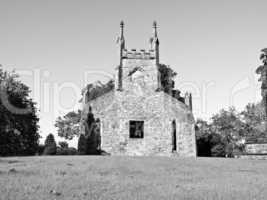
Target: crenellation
{"type": "Point", "coordinates": [141, 54]}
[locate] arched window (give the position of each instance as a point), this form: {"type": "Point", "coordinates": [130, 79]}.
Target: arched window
{"type": "Point", "coordinates": [174, 147]}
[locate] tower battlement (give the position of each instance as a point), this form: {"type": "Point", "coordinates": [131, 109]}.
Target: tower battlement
{"type": "Point", "coordinates": [130, 58]}
{"type": "Point", "coordinates": [141, 54]}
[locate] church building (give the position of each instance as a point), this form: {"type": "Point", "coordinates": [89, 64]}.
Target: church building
{"type": "Point", "coordinates": [138, 117]}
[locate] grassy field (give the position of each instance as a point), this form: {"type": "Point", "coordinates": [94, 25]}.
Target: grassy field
{"type": "Point", "coordinates": [127, 178]}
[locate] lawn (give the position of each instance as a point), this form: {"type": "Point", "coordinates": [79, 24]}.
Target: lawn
{"type": "Point", "coordinates": [127, 178]}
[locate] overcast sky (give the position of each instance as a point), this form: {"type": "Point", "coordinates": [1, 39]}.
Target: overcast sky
{"type": "Point", "coordinates": [214, 47]}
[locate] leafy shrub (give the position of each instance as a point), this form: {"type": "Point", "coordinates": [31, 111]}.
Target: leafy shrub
{"type": "Point", "coordinates": [72, 151]}
{"type": "Point", "coordinates": [40, 150]}
{"type": "Point", "coordinates": [94, 90]}
{"type": "Point", "coordinates": [82, 145]}
{"type": "Point", "coordinates": [50, 145]}
{"type": "Point", "coordinates": [166, 76]}
{"type": "Point", "coordinates": [218, 150]}
{"type": "Point", "coordinates": [63, 145]}
{"type": "Point", "coordinates": [66, 151]}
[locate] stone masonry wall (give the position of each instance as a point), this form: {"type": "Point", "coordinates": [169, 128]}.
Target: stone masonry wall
{"type": "Point", "coordinates": [139, 100]}
{"type": "Point", "coordinates": [138, 74]}
{"type": "Point", "coordinates": [256, 148]}
{"type": "Point", "coordinates": [185, 125]}
{"type": "Point", "coordinates": [156, 111]}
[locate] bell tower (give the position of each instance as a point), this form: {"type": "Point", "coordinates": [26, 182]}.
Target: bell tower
{"type": "Point", "coordinates": [138, 68]}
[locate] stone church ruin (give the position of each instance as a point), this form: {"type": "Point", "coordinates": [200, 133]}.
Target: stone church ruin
{"type": "Point", "coordinates": [138, 117]}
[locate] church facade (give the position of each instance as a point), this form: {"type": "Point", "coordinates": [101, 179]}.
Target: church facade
{"type": "Point", "coordinates": [138, 117]}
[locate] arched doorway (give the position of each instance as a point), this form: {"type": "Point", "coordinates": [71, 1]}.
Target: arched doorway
{"type": "Point", "coordinates": [174, 147]}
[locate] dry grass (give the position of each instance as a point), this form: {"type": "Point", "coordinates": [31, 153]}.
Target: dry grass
{"type": "Point", "coordinates": [127, 178]}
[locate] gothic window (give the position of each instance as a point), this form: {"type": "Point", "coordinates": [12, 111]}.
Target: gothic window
{"type": "Point", "coordinates": [174, 135]}
{"type": "Point", "coordinates": [136, 129]}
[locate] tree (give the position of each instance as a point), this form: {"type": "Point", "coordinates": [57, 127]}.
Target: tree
{"type": "Point", "coordinates": [253, 116]}
{"type": "Point", "coordinates": [50, 145]}
{"type": "Point", "coordinates": [209, 143]}
{"type": "Point", "coordinates": [203, 137]}
{"type": "Point", "coordinates": [40, 150]}
{"type": "Point", "coordinates": [263, 56]}
{"type": "Point", "coordinates": [19, 122]}
{"type": "Point", "coordinates": [166, 76]}
{"type": "Point", "coordinates": [94, 90]}
{"type": "Point", "coordinates": [91, 134]}
{"type": "Point", "coordinates": [82, 145]}
{"type": "Point", "coordinates": [69, 125]}
{"type": "Point", "coordinates": [229, 125]}
{"type": "Point", "coordinates": [63, 145]}
{"type": "Point", "coordinates": [228, 130]}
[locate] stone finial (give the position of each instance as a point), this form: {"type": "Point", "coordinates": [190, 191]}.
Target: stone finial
{"type": "Point", "coordinates": [122, 24]}
{"type": "Point", "coordinates": [154, 24]}
{"type": "Point", "coordinates": [122, 27]}
{"type": "Point", "coordinates": [154, 40]}
{"type": "Point", "coordinates": [188, 100]}
{"type": "Point", "coordinates": [155, 29]}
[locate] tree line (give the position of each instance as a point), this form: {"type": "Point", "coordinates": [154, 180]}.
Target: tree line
{"type": "Point", "coordinates": [226, 132]}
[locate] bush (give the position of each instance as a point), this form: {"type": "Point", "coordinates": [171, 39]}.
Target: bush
{"type": "Point", "coordinates": [40, 149]}
{"type": "Point", "coordinates": [63, 145]}
{"type": "Point", "coordinates": [203, 147]}
{"type": "Point", "coordinates": [50, 145]}
{"type": "Point", "coordinates": [218, 150]}
{"type": "Point", "coordinates": [72, 151]}
{"type": "Point", "coordinates": [50, 151]}
{"type": "Point", "coordinates": [82, 145]}
{"type": "Point", "coordinates": [66, 151]}
{"type": "Point", "coordinates": [61, 151]}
